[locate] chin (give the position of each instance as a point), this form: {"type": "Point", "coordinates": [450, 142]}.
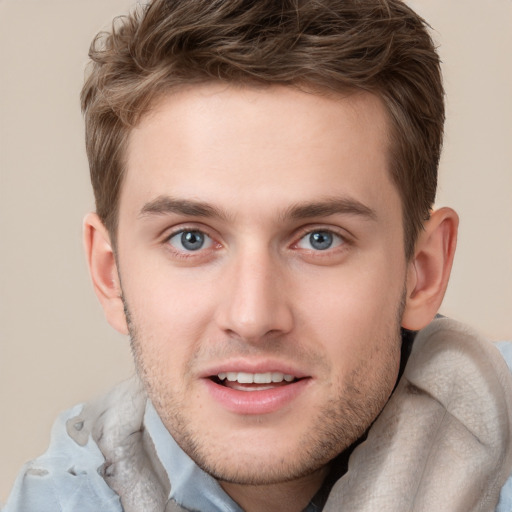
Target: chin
{"type": "Point", "coordinates": [264, 469]}
{"type": "Point", "coordinates": [265, 455]}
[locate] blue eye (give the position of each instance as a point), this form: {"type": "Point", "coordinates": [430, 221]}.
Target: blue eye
{"type": "Point", "coordinates": [320, 240]}
{"type": "Point", "coordinates": [190, 240]}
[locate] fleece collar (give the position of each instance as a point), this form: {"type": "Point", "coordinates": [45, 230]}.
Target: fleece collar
{"type": "Point", "coordinates": [443, 441]}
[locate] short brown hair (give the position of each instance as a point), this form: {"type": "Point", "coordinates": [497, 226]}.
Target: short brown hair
{"type": "Point", "coordinates": [380, 46]}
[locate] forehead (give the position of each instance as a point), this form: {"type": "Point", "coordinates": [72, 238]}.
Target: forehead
{"type": "Point", "coordinates": [242, 146]}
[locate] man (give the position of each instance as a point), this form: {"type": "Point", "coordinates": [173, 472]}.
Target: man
{"type": "Point", "coordinates": [264, 176]}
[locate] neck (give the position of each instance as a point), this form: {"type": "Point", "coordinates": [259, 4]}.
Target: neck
{"type": "Point", "coordinates": [292, 496]}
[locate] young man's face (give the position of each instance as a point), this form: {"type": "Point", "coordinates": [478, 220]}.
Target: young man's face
{"type": "Point", "coordinates": [261, 239]}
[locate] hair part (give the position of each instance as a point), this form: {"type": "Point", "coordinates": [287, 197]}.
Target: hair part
{"type": "Point", "coordinates": [325, 46]}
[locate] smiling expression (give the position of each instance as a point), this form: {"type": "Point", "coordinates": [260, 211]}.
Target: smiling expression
{"type": "Point", "coordinates": [261, 254]}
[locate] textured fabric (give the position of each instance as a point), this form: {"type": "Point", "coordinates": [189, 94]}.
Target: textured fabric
{"type": "Point", "coordinates": [443, 441]}
{"type": "Point", "coordinates": [505, 503]}
{"type": "Point", "coordinates": [113, 454]}
{"type": "Point", "coordinates": [131, 468]}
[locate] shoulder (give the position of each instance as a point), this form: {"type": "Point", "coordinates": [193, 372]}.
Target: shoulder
{"type": "Point", "coordinates": [66, 478]}
{"type": "Point", "coordinates": [99, 459]}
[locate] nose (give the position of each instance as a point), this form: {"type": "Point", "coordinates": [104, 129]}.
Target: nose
{"type": "Point", "coordinates": [255, 301]}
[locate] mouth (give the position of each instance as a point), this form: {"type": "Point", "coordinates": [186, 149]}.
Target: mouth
{"type": "Point", "coordinates": [244, 381]}
{"type": "Point", "coordinates": [255, 388]}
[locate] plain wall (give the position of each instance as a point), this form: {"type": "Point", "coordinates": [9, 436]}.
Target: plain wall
{"type": "Point", "coordinates": [55, 347]}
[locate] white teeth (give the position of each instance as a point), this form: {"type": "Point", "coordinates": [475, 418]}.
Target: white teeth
{"type": "Point", "coordinates": [256, 378]}
{"type": "Point", "coordinates": [263, 378]}
{"type": "Point", "coordinates": [245, 378]}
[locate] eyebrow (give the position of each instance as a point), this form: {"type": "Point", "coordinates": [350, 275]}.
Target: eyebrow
{"type": "Point", "coordinates": [329, 206]}
{"type": "Point", "coordinates": [164, 205]}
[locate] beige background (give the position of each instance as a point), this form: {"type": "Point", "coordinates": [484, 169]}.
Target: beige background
{"type": "Point", "coordinates": [55, 347]}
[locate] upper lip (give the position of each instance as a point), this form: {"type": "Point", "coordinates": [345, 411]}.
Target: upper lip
{"type": "Point", "coordinates": [246, 366]}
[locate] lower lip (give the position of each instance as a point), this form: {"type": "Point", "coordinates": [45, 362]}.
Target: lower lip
{"type": "Point", "coordinates": [256, 402]}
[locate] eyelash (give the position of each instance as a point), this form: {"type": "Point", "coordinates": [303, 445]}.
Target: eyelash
{"type": "Point", "coordinates": [184, 254]}
{"type": "Point", "coordinates": [335, 234]}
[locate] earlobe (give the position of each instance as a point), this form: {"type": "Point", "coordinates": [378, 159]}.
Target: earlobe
{"type": "Point", "coordinates": [429, 269]}
{"type": "Point", "coordinates": [103, 271]}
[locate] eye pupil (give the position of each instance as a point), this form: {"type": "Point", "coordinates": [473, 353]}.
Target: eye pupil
{"type": "Point", "coordinates": [192, 240]}
{"type": "Point", "coordinates": [321, 240]}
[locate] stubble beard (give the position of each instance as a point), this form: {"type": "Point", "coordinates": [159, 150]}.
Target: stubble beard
{"type": "Point", "coordinates": [333, 428]}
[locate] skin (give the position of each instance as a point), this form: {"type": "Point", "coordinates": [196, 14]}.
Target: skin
{"type": "Point", "coordinates": [256, 172]}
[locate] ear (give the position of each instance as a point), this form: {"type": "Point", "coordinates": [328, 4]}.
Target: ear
{"type": "Point", "coordinates": [429, 269]}
{"type": "Point", "coordinates": [103, 271]}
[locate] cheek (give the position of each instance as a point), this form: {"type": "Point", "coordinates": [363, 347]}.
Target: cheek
{"type": "Point", "coordinates": [170, 310]}
{"type": "Point", "coordinates": [162, 292]}
{"type": "Point", "coordinates": [353, 311]}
